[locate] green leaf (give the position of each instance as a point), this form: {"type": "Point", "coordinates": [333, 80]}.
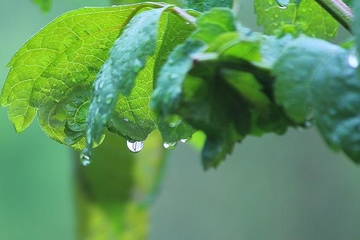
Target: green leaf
{"type": "Point", "coordinates": [167, 93]}
{"type": "Point", "coordinates": [205, 5]}
{"type": "Point", "coordinates": [119, 72]}
{"type": "Point", "coordinates": [315, 80]}
{"type": "Point", "coordinates": [45, 5]}
{"type": "Point", "coordinates": [45, 70]}
{"type": "Point", "coordinates": [307, 17]}
{"type": "Point", "coordinates": [294, 76]}
{"type": "Point", "coordinates": [53, 77]}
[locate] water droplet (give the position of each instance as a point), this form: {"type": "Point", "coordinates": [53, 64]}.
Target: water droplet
{"type": "Point", "coordinates": [352, 59]}
{"type": "Point", "coordinates": [185, 140]}
{"type": "Point", "coordinates": [137, 65]}
{"type": "Point", "coordinates": [173, 76]}
{"type": "Point", "coordinates": [173, 121]}
{"type": "Point", "coordinates": [308, 124]}
{"type": "Point", "coordinates": [171, 61]}
{"type": "Point", "coordinates": [169, 145]}
{"type": "Point", "coordinates": [109, 98]}
{"type": "Point", "coordinates": [135, 146]}
{"type": "Point", "coordinates": [282, 4]}
{"type": "Point", "coordinates": [85, 158]}
{"type": "Point", "coordinates": [126, 120]}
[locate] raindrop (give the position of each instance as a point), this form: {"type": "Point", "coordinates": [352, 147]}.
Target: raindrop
{"type": "Point", "coordinates": [282, 4]}
{"type": "Point", "coordinates": [109, 98]}
{"type": "Point", "coordinates": [175, 123]}
{"type": "Point", "coordinates": [85, 158]}
{"type": "Point", "coordinates": [352, 59]}
{"type": "Point", "coordinates": [135, 146]}
{"type": "Point", "coordinates": [185, 140]}
{"type": "Point", "coordinates": [169, 145]}
{"type": "Point", "coordinates": [173, 76]}
{"type": "Point", "coordinates": [308, 124]}
{"type": "Point", "coordinates": [137, 65]}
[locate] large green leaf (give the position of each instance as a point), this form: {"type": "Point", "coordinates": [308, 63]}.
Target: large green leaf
{"type": "Point", "coordinates": [119, 72]}
{"type": "Point", "coordinates": [307, 17]}
{"type": "Point", "coordinates": [51, 71]}
{"type": "Point", "coordinates": [51, 75]}
{"type": "Point", "coordinates": [316, 80]}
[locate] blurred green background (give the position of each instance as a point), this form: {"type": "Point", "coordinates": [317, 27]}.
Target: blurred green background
{"type": "Point", "coordinates": [288, 187]}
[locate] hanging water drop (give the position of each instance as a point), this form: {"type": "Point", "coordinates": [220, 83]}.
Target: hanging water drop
{"type": "Point", "coordinates": [135, 146]}
{"type": "Point", "coordinates": [174, 121]}
{"type": "Point", "coordinates": [352, 59]}
{"type": "Point", "coordinates": [283, 4]}
{"type": "Point", "coordinates": [308, 124]}
{"type": "Point", "coordinates": [169, 145]}
{"type": "Point", "coordinates": [185, 140]}
{"type": "Point", "coordinates": [85, 158]}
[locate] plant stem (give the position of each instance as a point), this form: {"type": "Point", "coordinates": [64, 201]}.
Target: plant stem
{"type": "Point", "coordinates": [339, 10]}
{"type": "Point", "coordinates": [184, 15]}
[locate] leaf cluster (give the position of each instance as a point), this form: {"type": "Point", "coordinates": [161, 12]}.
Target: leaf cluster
{"type": "Point", "coordinates": [180, 71]}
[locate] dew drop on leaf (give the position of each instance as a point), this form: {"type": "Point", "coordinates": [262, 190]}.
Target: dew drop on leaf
{"type": "Point", "coordinates": [352, 59]}
{"type": "Point", "coordinates": [169, 145]}
{"type": "Point", "coordinates": [85, 158]}
{"type": "Point", "coordinates": [173, 76]}
{"type": "Point", "coordinates": [109, 98]}
{"type": "Point", "coordinates": [135, 146]}
{"type": "Point", "coordinates": [137, 65]}
{"type": "Point", "coordinates": [308, 124]}
{"type": "Point", "coordinates": [174, 121]}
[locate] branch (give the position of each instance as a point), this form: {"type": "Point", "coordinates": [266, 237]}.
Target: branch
{"type": "Point", "coordinates": [339, 10]}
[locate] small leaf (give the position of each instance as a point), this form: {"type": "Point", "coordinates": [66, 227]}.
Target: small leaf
{"type": "Point", "coordinates": [57, 60]}
{"type": "Point", "coordinates": [53, 77]}
{"type": "Point", "coordinates": [205, 5]}
{"type": "Point", "coordinates": [307, 17]}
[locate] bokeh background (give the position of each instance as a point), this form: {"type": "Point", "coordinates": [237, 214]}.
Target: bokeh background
{"type": "Point", "coordinates": [274, 187]}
